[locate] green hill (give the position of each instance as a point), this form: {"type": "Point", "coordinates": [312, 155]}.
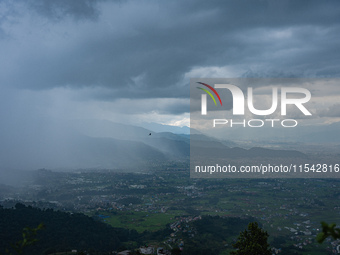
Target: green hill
{"type": "Point", "coordinates": [63, 231]}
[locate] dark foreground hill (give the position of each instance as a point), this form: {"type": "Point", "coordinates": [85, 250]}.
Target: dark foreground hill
{"type": "Point", "coordinates": [62, 232]}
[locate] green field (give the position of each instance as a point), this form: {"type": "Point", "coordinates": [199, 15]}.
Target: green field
{"type": "Point", "coordinates": [141, 221]}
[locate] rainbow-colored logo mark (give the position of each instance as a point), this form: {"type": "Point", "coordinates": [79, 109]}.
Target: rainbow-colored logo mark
{"type": "Point", "coordinates": [204, 97]}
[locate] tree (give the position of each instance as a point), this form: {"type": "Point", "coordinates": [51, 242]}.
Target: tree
{"type": "Point", "coordinates": [28, 239]}
{"type": "Point", "coordinates": [176, 251]}
{"type": "Point", "coordinates": [328, 230]}
{"type": "Point", "coordinates": [252, 241]}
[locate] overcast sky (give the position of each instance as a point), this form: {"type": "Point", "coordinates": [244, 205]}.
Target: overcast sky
{"type": "Point", "coordinates": [133, 60]}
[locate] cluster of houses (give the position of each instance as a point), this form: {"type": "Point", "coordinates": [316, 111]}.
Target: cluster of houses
{"type": "Point", "coordinates": [148, 250]}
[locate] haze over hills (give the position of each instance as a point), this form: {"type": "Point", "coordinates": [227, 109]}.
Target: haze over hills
{"type": "Point", "coordinates": [212, 149]}
{"type": "Point", "coordinates": [105, 144]}
{"type": "Point", "coordinates": [90, 144]}
{"type": "Point", "coordinates": [321, 134]}
{"type": "Point", "coordinates": [156, 127]}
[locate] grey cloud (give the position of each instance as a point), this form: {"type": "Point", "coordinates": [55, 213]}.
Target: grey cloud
{"type": "Point", "coordinates": [58, 10]}
{"type": "Point", "coordinates": [130, 60]}
{"type": "Point", "coordinates": [144, 49]}
{"type": "Point", "coordinates": [170, 106]}
{"type": "Point", "coordinates": [332, 111]}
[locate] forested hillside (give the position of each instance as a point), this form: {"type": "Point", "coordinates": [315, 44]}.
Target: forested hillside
{"type": "Point", "coordinates": [62, 231]}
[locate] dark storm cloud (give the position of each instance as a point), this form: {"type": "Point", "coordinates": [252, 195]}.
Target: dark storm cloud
{"type": "Point", "coordinates": [57, 10]}
{"type": "Point", "coordinates": [131, 61]}
{"type": "Point", "coordinates": [144, 49]}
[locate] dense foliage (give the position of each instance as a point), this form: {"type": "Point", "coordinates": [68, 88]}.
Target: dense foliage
{"type": "Point", "coordinates": [328, 230]}
{"type": "Point", "coordinates": [66, 231]}
{"type": "Point", "coordinates": [252, 241]}
{"type": "Point", "coordinates": [212, 234]}
{"type": "Point", "coordinates": [62, 232]}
